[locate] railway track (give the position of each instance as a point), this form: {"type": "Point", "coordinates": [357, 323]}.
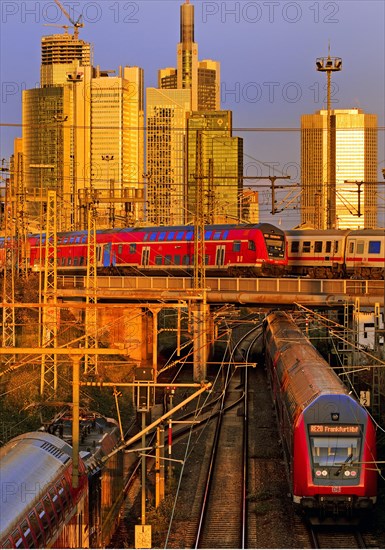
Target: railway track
{"type": "Point", "coordinates": [222, 517]}
{"type": "Point", "coordinates": [336, 538]}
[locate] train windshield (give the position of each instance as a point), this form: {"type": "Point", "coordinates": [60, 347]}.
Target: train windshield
{"type": "Point", "coordinates": [275, 245]}
{"type": "Point", "coordinates": [333, 451]}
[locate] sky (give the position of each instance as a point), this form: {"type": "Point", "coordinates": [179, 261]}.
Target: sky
{"type": "Point", "coordinates": [267, 51]}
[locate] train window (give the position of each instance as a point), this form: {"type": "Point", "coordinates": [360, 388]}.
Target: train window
{"type": "Point", "coordinates": [177, 259]}
{"type": "Point", "coordinates": [25, 529]}
{"type": "Point", "coordinates": [120, 249]}
{"type": "Point", "coordinates": [76, 260]}
{"type": "Point", "coordinates": [236, 246]}
{"type": "Point", "coordinates": [69, 261]}
{"type": "Point", "coordinates": [49, 509]}
{"type": "Point", "coordinates": [55, 501]}
{"type": "Point", "coordinates": [360, 247]}
{"type": "Point", "coordinates": [225, 235]}
{"type": "Point", "coordinates": [186, 259]}
{"type": "Point", "coordinates": [336, 246]}
{"type": "Point", "coordinates": [67, 490]}
{"type": "Point", "coordinates": [35, 526]}
{"type": "Point", "coordinates": [77, 240]}
{"type": "Point", "coordinates": [153, 236]}
{"type": "Point", "coordinates": [189, 235]}
{"type": "Point", "coordinates": [217, 235]}
{"type": "Point", "coordinates": [132, 248]}
{"type": "Point", "coordinates": [328, 247]}
{"type": "Point", "coordinates": [374, 247]}
{"type": "Point", "coordinates": [171, 235]}
{"type": "Point", "coordinates": [17, 539]}
{"type": "Point", "coordinates": [306, 246]}
{"type": "Point", "coordinates": [158, 260]}
{"type": "Point", "coordinates": [318, 246]}
{"type": "Point", "coordinates": [179, 236]}
{"type": "Point", "coordinates": [162, 236]}
{"type": "Point", "coordinates": [295, 246]}
{"type": "Point", "coordinates": [72, 240]}
{"type": "Point", "coordinates": [6, 544]}
{"type": "Point", "coordinates": [81, 260]}
{"type": "Point", "coordinates": [65, 240]}
{"type": "Point", "coordinates": [84, 239]}
{"type": "Point", "coordinates": [145, 237]}
{"type": "Point", "coordinates": [63, 496]}
{"type": "Point", "coordinates": [207, 259]}
{"type": "Point", "coordinates": [98, 252]}
{"type": "Point", "coordinates": [351, 247]}
{"type": "Point", "coordinates": [167, 260]}
{"type": "Point", "coordinates": [251, 245]}
{"type": "Point", "coordinates": [328, 451]}
{"type": "Point", "coordinates": [63, 261]}
{"type": "Point", "coordinates": [43, 517]}
{"type": "Point", "coordinates": [208, 234]}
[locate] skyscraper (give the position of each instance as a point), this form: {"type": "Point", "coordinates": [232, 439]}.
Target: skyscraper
{"type": "Point", "coordinates": [353, 159]}
{"type": "Point", "coordinates": [117, 144]}
{"type": "Point", "coordinates": [201, 77]}
{"type": "Point", "coordinates": [80, 117]}
{"type": "Point", "coordinates": [58, 52]}
{"type": "Point", "coordinates": [219, 164]}
{"type": "Point", "coordinates": [193, 86]}
{"type": "Point", "coordinates": [166, 133]}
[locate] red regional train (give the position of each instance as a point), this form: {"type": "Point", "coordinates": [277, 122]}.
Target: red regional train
{"type": "Point", "coordinates": [39, 506]}
{"type": "Point", "coordinates": [329, 439]}
{"type": "Point", "coordinates": [338, 253]}
{"type": "Point", "coordinates": [230, 250]}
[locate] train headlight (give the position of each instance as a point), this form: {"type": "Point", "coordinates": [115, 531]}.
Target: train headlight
{"type": "Point", "coordinates": [318, 473]}
{"type": "Point", "coordinates": [347, 473]}
{"type": "Point", "coordinates": [353, 473]}
{"type": "Point", "coordinates": [324, 473]}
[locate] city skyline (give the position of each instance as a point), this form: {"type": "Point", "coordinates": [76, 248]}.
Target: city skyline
{"type": "Point", "coordinates": [268, 78]}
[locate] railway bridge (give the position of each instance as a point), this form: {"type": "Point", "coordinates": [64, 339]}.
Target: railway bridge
{"type": "Point", "coordinates": [128, 307]}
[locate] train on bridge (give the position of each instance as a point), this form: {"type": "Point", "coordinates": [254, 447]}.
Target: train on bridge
{"type": "Point", "coordinates": [245, 250]}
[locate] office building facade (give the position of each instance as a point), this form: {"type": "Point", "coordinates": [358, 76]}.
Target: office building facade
{"type": "Point", "coordinates": [353, 168]}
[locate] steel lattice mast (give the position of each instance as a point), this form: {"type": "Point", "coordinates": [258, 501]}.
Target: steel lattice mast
{"type": "Point", "coordinates": [48, 379]}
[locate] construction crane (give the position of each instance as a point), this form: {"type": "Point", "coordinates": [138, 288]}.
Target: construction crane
{"type": "Point", "coordinates": [66, 27]}
{"type": "Point", "coordinates": [76, 24]}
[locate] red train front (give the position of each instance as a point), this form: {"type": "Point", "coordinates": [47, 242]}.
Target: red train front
{"type": "Point", "coordinates": [329, 438]}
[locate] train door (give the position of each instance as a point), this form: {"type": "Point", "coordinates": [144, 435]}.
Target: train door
{"type": "Point", "coordinates": [220, 256]}
{"type": "Point", "coordinates": [107, 255]}
{"type": "Point", "coordinates": [145, 256]}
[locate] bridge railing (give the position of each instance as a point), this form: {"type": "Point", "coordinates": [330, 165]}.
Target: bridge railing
{"type": "Point", "coordinates": [284, 285]}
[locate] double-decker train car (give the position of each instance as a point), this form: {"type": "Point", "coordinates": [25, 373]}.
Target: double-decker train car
{"type": "Point", "coordinates": [328, 437]}
{"type": "Point", "coordinates": [334, 253]}
{"type": "Point", "coordinates": [230, 250]}
{"type": "Point", "coordinates": [40, 507]}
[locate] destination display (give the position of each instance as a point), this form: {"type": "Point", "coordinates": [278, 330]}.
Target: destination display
{"type": "Point", "coordinates": [332, 429]}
